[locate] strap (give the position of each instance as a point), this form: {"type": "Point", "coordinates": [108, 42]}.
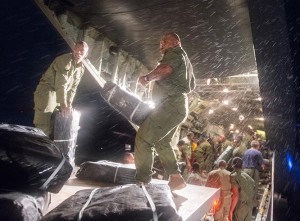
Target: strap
{"type": "Point", "coordinates": [58, 141]}
{"type": "Point", "coordinates": [115, 177]}
{"type": "Point", "coordinates": [152, 205]}
{"type": "Point", "coordinates": [45, 185]}
{"type": "Point", "coordinates": [111, 191]}
{"type": "Point", "coordinates": [134, 111]}
{"type": "Point", "coordinates": [86, 204]}
{"type": "Point", "coordinates": [111, 93]}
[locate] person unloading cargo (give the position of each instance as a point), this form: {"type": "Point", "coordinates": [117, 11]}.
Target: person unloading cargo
{"type": "Point", "coordinates": [58, 86]}
{"type": "Point", "coordinates": [173, 78]}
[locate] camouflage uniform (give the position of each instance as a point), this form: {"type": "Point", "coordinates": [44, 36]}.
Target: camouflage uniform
{"type": "Point", "coordinates": [247, 140]}
{"type": "Point", "coordinates": [252, 163]}
{"type": "Point", "coordinates": [205, 156]}
{"type": "Point", "coordinates": [245, 185]}
{"type": "Point", "coordinates": [57, 85]}
{"type": "Point", "coordinates": [171, 110]}
{"type": "Point", "coordinates": [185, 154]}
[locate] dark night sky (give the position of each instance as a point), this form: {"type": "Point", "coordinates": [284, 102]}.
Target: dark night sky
{"type": "Point", "coordinates": [29, 43]}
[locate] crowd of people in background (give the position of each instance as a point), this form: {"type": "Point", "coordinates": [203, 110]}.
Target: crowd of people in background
{"type": "Point", "coordinates": [232, 163]}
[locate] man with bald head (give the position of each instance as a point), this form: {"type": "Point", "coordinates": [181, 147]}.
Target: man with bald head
{"type": "Point", "coordinates": [220, 178]}
{"type": "Point", "coordinates": [172, 79]}
{"type": "Point", "coordinates": [252, 164]}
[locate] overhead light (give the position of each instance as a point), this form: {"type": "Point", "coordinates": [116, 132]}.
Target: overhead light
{"type": "Point", "coordinates": [260, 118]}
{"type": "Point", "coordinates": [210, 111]}
{"type": "Point", "coordinates": [258, 99]}
{"type": "Point", "coordinates": [241, 117]}
{"type": "Point", "coordinates": [234, 108]}
{"type": "Point", "coordinates": [231, 126]}
{"type": "Point", "coordinates": [208, 81]}
{"type": "Point", "coordinates": [225, 90]}
{"type": "Point", "coordinates": [225, 102]}
{"type": "Point", "coordinates": [237, 131]}
{"type": "Point", "coordinates": [250, 127]}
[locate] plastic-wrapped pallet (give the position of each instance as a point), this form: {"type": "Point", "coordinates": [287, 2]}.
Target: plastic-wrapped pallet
{"type": "Point", "coordinates": [65, 131]}
{"type": "Point", "coordinates": [127, 203]}
{"type": "Point", "coordinates": [107, 171]}
{"type": "Point", "coordinates": [25, 205]}
{"type": "Point", "coordinates": [28, 158]}
{"type": "Point", "coordinates": [126, 103]}
{"type": "Point", "coordinates": [225, 155]}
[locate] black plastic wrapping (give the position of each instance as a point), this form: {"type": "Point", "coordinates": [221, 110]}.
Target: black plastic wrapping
{"type": "Point", "coordinates": [126, 103]}
{"type": "Point", "coordinates": [65, 131]}
{"type": "Point", "coordinates": [107, 171]}
{"type": "Point", "coordinates": [225, 155]}
{"type": "Point", "coordinates": [28, 158]}
{"type": "Point", "coordinates": [25, 205]}
{"type": "Point", "coordinates": [124, 203]}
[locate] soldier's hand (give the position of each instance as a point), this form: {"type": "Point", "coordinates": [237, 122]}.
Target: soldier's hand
{"type": "Point", "coordinates": [65, 110]}
{"type": "Point", "coordinates": [143, 80]}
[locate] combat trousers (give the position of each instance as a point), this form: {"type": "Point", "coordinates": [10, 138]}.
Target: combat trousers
{"type": "Point", "coordinates": [156, 132]}
{"type": "Point", "coordinates": [243, 211]}
{"type": "Point", "coordinates": [254, 174]}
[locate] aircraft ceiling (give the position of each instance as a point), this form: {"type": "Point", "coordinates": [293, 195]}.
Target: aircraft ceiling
{"type": "Point", "coordinates": [215, 34]}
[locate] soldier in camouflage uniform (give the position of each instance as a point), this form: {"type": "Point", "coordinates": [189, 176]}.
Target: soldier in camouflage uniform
{"type": "Point", "coordinates": [173, 79]}
{"type": "Point", "coordinates": [192, 143]}
{"type": "Point", "coordinates": [253, 164]}
{"type": "Point", "coordinates": [242, 187]}
{"type": "Point", "coordinates": [184, 156]}
{"type": "Point", "coordinates": [205, 156]}
{"type": "Point", "coordinates": [58, 86]}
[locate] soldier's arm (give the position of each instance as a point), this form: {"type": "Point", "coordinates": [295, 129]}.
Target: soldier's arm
{"type": "Point", "coordinates": [161, 72]}
{"type": "Point", "coordinates": [61, 66]}
{"type": "Point", "coordinates": [235, 196]}
{"type": "Point", "coordinates": [208, 181]}
{"type": "Point", "coordinates": [73, 89]}
{"type": "Point", "coordinates": [169, 62]}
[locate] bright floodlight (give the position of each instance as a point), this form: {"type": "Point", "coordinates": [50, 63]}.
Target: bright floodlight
{"type": "Point", "coordinates": [225, 102]}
